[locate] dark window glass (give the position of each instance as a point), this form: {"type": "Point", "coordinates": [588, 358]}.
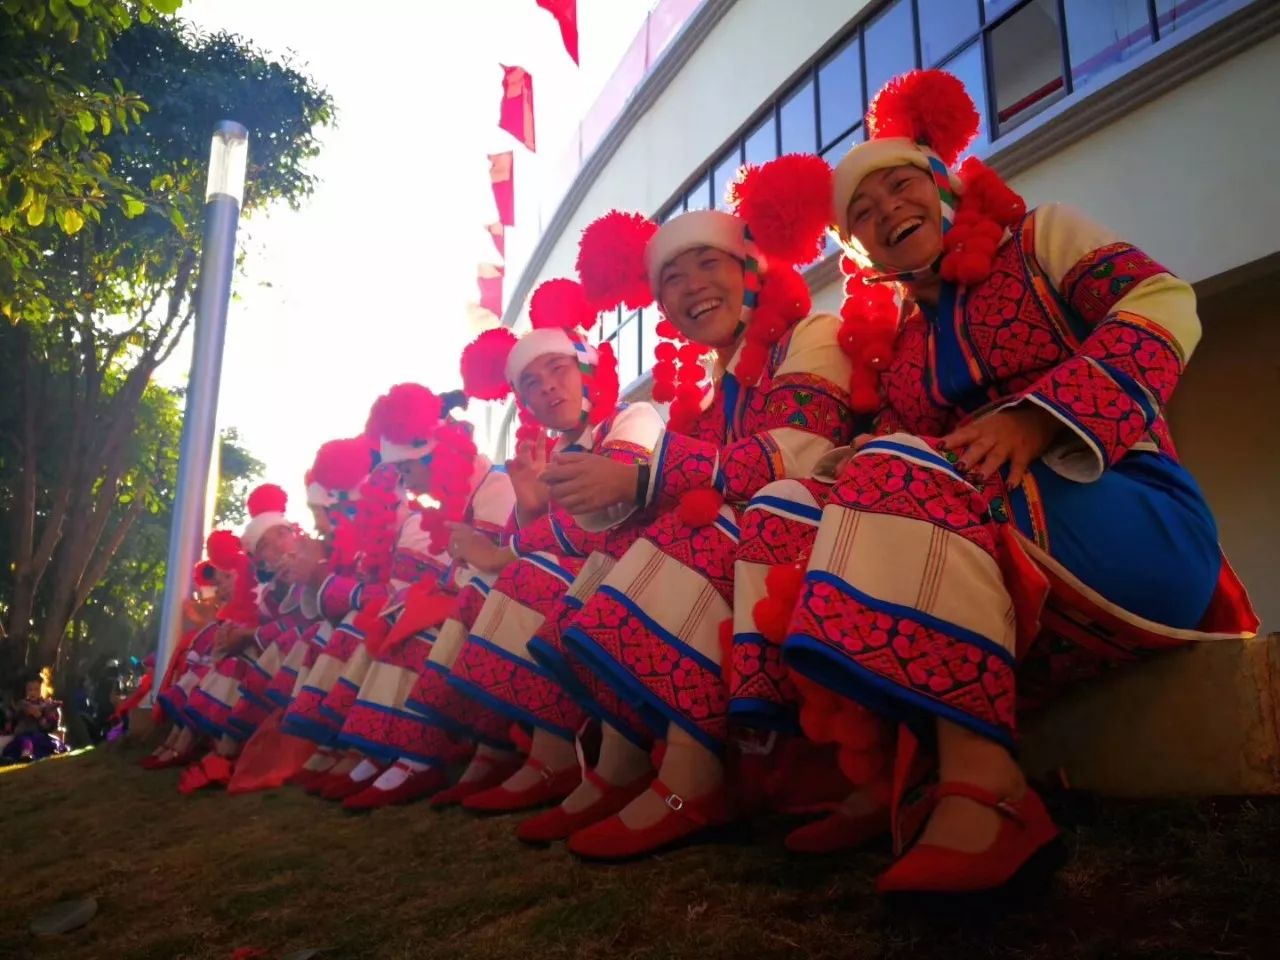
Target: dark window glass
{"type": "Point", "coordinates": [1103, 32]}
{"type": "Point", "coordinates": [891, 48]}
{"type": "Point", "coordinates": [699, 195]}
{"type": "Point", "coordinates": [840, 91]}
{"type": "Point", "coordinates": [833, 155]}
{"type": "Point", "coordinates": [1026, 63]}
{"type": "Point", "coordinates": [997, 7]}
{"type": "Point", "coordinates": [672, 211]}
{"type": "Point", "coordinates": [799, 121]}
{"type": "Point", "coordinates": [967, 67]}
{"type": "Point", "coordinates": [944, 25]}
{"type": "Point", "coordinates": [761, 143]}
{"type": "Point", "coordinates": [723, 174]}
{"type": "Point", "coordinates": [1172, 14]}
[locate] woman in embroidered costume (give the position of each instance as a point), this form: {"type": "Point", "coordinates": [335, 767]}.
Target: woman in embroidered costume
{"type": "Point", "coordinates": [34, 725]}
{"type": "Point", "coordinates": [650, 638]}
{"type": "Point", "coordinates": [191, 660]}
{"type": "Point", "coordinates": [566, 385]}
{"type": "Point", "coordinates": [394, 720]}
{"type": "Point", "coordinates": [1018, 519]}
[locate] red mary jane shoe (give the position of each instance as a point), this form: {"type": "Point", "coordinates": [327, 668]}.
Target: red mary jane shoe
{"type": "Point", "coordinates": [498, 771]}
{"type": "Point", "coordinates": [1026, 833]}
{"type": "Point", "coordinates": [553, 787]}
{"type": "Point", "coordinates": [419, 784]}
{"type": "Point", "coordinates": [559, 824]}
{"type": "Point", "coordinates": [340, 785]}
{"type": "Point", "coordinates": [838, 831]}
{"type": "Point", "coordinates": [210, 771]}
{"type": "Point", "coordinates": [613, 840]}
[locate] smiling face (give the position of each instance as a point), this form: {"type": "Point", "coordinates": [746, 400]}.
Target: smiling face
{"type": "Point", "coordinates": [896, 217]}
{"type": "Point", "coordinates": [551, 387]}
{"type": "Point", "coordinates": [701, 292]}
{"type": "Point", "coordinates": [275, 547]}
{"type": "Point", "coordinates": [225, 585]}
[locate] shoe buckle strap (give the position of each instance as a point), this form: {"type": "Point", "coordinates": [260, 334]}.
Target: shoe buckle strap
{"type": "Point", "coordinates": [677, 804]}
{"type": "Point", "coordinates": [1002, 805]}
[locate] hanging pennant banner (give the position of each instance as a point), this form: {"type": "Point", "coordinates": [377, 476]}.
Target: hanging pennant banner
{"type": "Point", "coordinates": [516, 114]}
{"type": "Point", "coordinates": [566, 14]}
{"type": "Point", "coordinates": [502, 177]}
{"type": "Point", "coordinates": [498, 234]}
{"type": "Point", "coordinates": [489, 282]}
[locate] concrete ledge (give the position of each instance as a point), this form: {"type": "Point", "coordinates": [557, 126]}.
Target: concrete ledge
{"type": "Point", "coordinates": [1204, 721]}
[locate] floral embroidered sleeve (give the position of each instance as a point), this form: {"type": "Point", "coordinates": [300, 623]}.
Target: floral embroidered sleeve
{"type": "Point", "coordinates": [1139, 328]}
{"type": "Point", "coordinates": [806, 413]}
{"type": "Point", "coordinates": [339, 595]}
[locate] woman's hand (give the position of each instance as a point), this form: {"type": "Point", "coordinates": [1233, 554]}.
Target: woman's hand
{"type": "Point", "coordinates": [475, 549]}
{"type": "Point", "coordinates": [307, 565]}
{"type": "Point", "coordinates": [525, 471]}
{"type": "Point", "coordinates": [586, 482]}
{"type": "Point", "coordinates": [1017, 436]}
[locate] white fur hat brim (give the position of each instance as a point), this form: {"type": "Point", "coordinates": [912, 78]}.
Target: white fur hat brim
{"type": "Point", "coordinates": [868, 157]}
{"type": "Point", "coordinates": [318, 495]}
{"type": "Point", "coordinates": [689, 231]}
{"type": "Point", "coordinates": [259, 525]}
{"type": "Point", "coordinates": [540, 343]}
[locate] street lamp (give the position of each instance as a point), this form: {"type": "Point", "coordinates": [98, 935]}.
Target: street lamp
{"type": "Point", "coordinates": [228, 155]}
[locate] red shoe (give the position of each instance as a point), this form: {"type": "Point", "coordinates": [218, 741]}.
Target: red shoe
{"type": "Point", "coordinates": [341, 786]}
{"type": "Point", "coordinates": [613, 840]}
{"type": "Point", "coordinates": [323, 780]}
{"type": "Point", "coordinates": [1025, 830]}
{"type": "Point", "coordinates": [499, 771]}
{"type": "Point", "coordinates": [552, 788]}
{"type": "Point", "coordinates": [152, 762]}
{"type": "Point", "coordinates": [419, 784]}
{"type": "Point", "coordinates": [838, 831]}
{"type": "Point", "coordinates": [558, 824]}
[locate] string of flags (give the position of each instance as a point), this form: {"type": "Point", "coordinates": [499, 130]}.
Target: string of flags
{"type": "Point", "coordinates": [516, 117]}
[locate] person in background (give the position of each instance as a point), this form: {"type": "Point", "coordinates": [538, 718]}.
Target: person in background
{"type": "Point", "coordinates": [34, 722]}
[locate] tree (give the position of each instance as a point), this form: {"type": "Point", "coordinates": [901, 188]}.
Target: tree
{"type": "Point", "coordinates": [238, 470]}
{"type": "Point", "coordinates": [52, 103]}
{"type": "Point", "coordinates": [119, 295]}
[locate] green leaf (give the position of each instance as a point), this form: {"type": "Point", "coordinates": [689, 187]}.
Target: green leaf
{"type": "Point", "coordinates": [177, 219]}
{"type": "Point", "coordinates": [35, 212]}
{"type": "Point", "coordinates": [70, 220]}
{"type": "Point", "coordinates": [59, 8]}
{"type": "Point", "coordinates": [166, 6]}
{"type": "Point", "coordinates": [86, 121]}
{"type": "Point", "coordinates": [104, 120]}
{"type": "Point", "coordinates": [133, 207]}
{"type": "Point", "coordinates": [71, 135]}
{"type": "Point", "coordinates": [77, 3]}
{"type": "Point", "coordinates": [144, 15]}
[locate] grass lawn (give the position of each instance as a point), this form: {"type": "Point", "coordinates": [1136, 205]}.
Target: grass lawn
{"type": "Point", "coordinates": [196, 877]}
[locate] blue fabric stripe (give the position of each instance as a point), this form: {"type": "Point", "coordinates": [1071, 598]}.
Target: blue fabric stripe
{"type": "Point", "coordinates": [820, 663]}
{"type": "Point", "coordinates": [952, 630]}
{"type": "Point", "coordinates": [902, 449]}
{"type": "Point", "coordinates": [728, 526]}
{"type": "Point", "coordinates": [550, 567]}
{"type": "Point", "coordinates": [1131, 388]}
{"type": "Point", "coordinates": [558, 667]}
{"type": "Point", "coordinates": [508, 710]}
{"type": "Point", "coordinates": [802, 510]}
{"type": "Point", "coordinates": [653, 627]}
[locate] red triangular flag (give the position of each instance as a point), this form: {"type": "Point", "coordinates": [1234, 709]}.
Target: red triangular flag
{"type": "Point", "coordinates": [502, 177]}
{"type": "Point", "coordinates": [566, 14]}
{"type": "Point", "coordinates": [498, 234]}
{"type": "Point", "coordinates": [489, 281]}
{"type": "Point", "coordinates": [516, 115]}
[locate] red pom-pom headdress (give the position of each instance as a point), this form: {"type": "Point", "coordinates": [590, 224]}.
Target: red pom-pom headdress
{"type": "Point", "coordinates": [266, 505]}
{"type": "Point", "coordinates": [559, 313]}
{"type": "Point", "coordinates": [223, 548]}
{"type": "Point", "coordinates": [339, 469]}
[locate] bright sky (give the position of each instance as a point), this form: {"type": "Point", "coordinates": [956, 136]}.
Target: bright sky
{"type": "Point", "coordinates": [368, 284]}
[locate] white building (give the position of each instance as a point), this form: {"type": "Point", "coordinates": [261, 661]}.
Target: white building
{"type": "Point", "coordinates": [1160, 118]}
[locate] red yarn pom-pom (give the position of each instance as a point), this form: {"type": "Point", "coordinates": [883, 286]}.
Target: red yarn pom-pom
{"type": "Point", "coordinates": [700, 507]}
{"type": "Point", "coordinates": [342, 464]}
{"type": "Point", "coordinates": [786, 292]}
{"type": "Point", "coordinates": [785, 580]}
{"type": "Point", "coordinates": [926, 106]}
{"type": "Point", "coordinates": [772, 616]}
{"type": "Point", "coordinates": [786, 204]}
{"type": "Point", "coordinates": [224, 550]}
{"type": "Point", "coordinates": [409, 413]}
{"type": "Point", "coordinates": [560, 303]}
{"type": "Point", "coordinates": [267, 498]}
{"type": "Point", "coordinates": [483, 364]}
{"type": "Point", "coordinates": [611, 261]}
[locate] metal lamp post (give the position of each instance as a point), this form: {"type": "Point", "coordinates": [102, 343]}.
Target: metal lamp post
{"type": "Point", "coordinates": [223, 194]}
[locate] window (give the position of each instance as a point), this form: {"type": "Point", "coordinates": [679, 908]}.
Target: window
{"type": "Point", "coordinates": [649, 318]}
{"type": "Point", "coordinates": [761, 144]}
{"type": "Point", "coordinates": [699, 195]}
{"type": "Point", "coordinates": [626, 344]}
{"type": "Point", "coordinates": [1026, 61]}
{"type": "Point", "coordinates": [997, 7]}
{"type": "Point", "coordinates": [799, 121]}
{"type": "Point", "coordinates": [944, 24]}
{"type": "Point", "coordinates": [1172, 14]}
{"type": "Point", "coordinates": [672, 211]}
{"type": "Point", "coordinates": [1103, 32]}
{"type": "Point", "coordinates": [967, 68]}
{"type": "Point", "coordinates": [725, 172]}
{"type": "Point", "coordinates": [890, 47]}
{"type": "Point", "coordinates": [609, 324]}
{"type": "Point", "coordinates": [840, 104]}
